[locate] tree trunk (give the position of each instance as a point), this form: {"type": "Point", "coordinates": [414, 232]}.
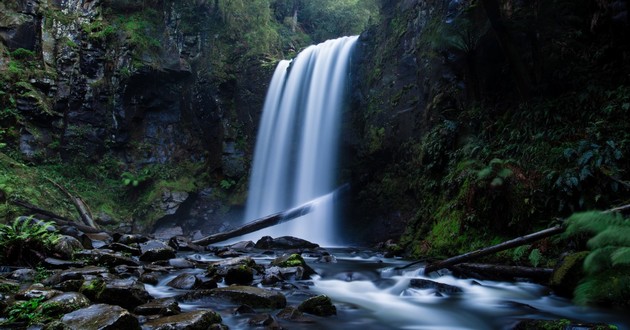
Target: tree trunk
{"type": "Point", "coordinates": [493, 249]}
{"type": "Point", "coordinates": [264, 222]}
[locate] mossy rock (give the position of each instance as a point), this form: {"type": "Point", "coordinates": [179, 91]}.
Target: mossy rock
{"type": "Point", "coordinates": [293, 260]}
{"type": "Point", "coordinates": [567, 274]}
{"type": "Point", "coordinates": [319, 305]}
{"type": "Point", "coordinates": [561, 324]}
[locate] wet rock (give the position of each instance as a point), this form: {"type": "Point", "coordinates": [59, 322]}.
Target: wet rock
{"type": "Point", "coordinates": [37, 291]}
{"type": "Point", "coordinates": [23, 275]}
{"type": "Point", "coordinates": [105, 257]}
{"type": "Point", "coordinates": [171, 200]}
{"type": "Point", "coordinates": [326, 258]}
{"type": "Point", "coordinates": [567, 274]}
{"type": "Point", "coordinates": [293, 314]}
{"type": "Point", "coordinates": [238, 270]}
{"type": "Point", "coordinates": [149, 278]}
{"type": "Point", "coordinates": [127, 293]}
{"type": "Point", "coordinates": [263, 320]}
{"type": "Point", "coordinates": [242, 246]}
{"type": "Point", "coordinates": [560, 324]}
{"type": "Point", "coordinates": [156, 250]}
{"type": "Point", "coordinates": [128, 239]}
{"type": "Point", "coordinates": [69, 285]}
{"type": "Point", "coordinates": [239, 295]}
{"type": "Point", "coordinates": [181, 243]}
{"type": "Point", "coordinates": [100, 317]}
{"type": "Point", "coordinates": [181, 263]}
{"type": "Point", "coordinates": [164, 306]}
{"type": "Point", "coordinates": [244, 309]}
{"type": "Point", "coordinates": [284, 242]}
{"type": "Point", "coordinates": [119, 247]}
{"type": "Point", "coordinates": [66, 246]}
{"type": "Point", "coordinates": [185, 281]}
{"type": "Point", "coordinates": [95, 240]}
{"type": "Point", "coordinates": [79, 273]}
{"type": "Point", "coordinates": [63, 304]}
{"type": "Point", "coordinates": [319, 305]}
{"type": "Point", "coordinates": [228, 253]}
{"type": "Point", "coordinates": [8, 286]}
{"type": "Point", "coordinates": [201, 319]}
{"type": "Point", "coordinates": [293, 260]}
{"type": "Point", "coordinates": [60, 264]}
{"type": "Point", "coordinates": [424, 284]}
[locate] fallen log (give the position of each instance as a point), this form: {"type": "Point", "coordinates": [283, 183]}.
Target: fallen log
{"type": "Point", "coordinates": [493, 249]}
{"type": "Point", "coordinates": [79, 204]}
{"type": "Point", "coordinates": [270, 220]}
{"type": "Point", "coordinates": [501, 272]}
{"type": "Point", "coordinates": [264, 222]}
{"type": "Point", "coordinates": [58, 219]}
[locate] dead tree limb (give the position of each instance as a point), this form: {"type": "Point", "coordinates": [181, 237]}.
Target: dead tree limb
{"type": "Point", "coordinates": [58, 219]}
{"type": "Point", "coordinates": [78, 203]}
{"type": "Point", "coordinates": [268, 221]}
{"type": "Point", "coordinates": [493, 249]}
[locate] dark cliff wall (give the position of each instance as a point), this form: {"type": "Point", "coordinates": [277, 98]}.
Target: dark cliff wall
{"type": "Point", "coordinates": [475, 120]}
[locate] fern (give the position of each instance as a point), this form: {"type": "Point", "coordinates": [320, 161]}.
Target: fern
{"type": "Point", "coordinates": [607, 280]}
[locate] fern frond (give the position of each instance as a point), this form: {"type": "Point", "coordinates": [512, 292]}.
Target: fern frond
{"type": "Point", "coordinates": [599, 260]}
{"type": "Point", "coordinates": [611, 236]}
{"type": "Point", "coordinates": [593, 222]}
{"type": "Point", "coordinates": [621, 256]}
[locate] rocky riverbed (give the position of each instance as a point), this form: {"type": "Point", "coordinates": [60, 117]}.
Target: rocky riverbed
{"type": "Point", "coordinates": [135, 282]}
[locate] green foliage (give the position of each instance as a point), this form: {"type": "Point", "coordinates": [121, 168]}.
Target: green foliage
{"type": "Point", "coordinates": [25, 311]}
{"type": "Point", "coordinates": [227, 183]}
{"type": "Point", "coordinates": [607, 279]}
{"type": "Point", "coordinates": [134, 179]}
{"type": "Point", "coordinates": [535, 257]}
{"type": "Point", "coordinates": [21, 240]}
{"type": "Point", "coordinates": [23, 54]}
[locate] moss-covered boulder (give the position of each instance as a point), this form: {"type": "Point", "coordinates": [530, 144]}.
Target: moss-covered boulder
{"type": "Point", "coordinates": [567, 274]}
{"type": "Point", "coordinates": [293, 260]}
{"type": "Point", "coordinates": [63, 304]}
{"type": "Point", "coordinates": [319, 305]}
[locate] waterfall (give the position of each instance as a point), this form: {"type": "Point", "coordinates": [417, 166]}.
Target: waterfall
{"type": "Point", "coordinates": [296, 149]}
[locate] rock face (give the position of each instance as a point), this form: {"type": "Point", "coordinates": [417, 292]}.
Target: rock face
{"type": "Point", "coordinates": [89, 84]}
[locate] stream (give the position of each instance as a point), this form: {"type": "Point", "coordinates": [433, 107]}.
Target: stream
{"type": "Point", "coordinates": [369, 292]}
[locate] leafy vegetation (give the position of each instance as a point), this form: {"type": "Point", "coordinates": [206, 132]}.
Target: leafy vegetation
{"type": "Point", "coordinates": [26, 241]}
{"type": "Point", "coordinates": [607, 280]}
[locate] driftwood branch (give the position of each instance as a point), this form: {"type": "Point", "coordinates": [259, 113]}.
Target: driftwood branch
{"type": "Point", "coordinates": [493, 249]}
{"type": "Point", "coordinates": [268, 221]}
{"type": "Point", "coordinates": [79, 204]}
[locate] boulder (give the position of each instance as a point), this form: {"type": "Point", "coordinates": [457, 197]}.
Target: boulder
{"type": "Point", "coordinates": [293, 314]}
{"type": "Point", "coordinates": [185, 281]}
{"type": "Point", "coordinates": [127, 293]}
{"type": "Point", "coordinates": [128, 239]}
{"type": "Point", "coordinates": [567, 274]}
{"type": "Point", "coordinates": [105, 257]}
{"type": "Point", "coordinates": [100, 317]}
{"type": "Point", "coordinates": [239, 295]}
{"type": "Point", "coordinates": [319, 305]}
{"type": "Point", "coordinates": [79, 273]}
{"type": "Point", "coordinates": [284, 242]}
{"type": "Point", "coordinates": [293, 260]}
{"type": "Point", "coordinates": [163, 306]}
{"type": "Point", "coordinates": [156, 250]}
{"type": "Point", "coordinates": [201, 319]}
{"type": "Point", "coordinates": [182, 243]}
{"type": "Point", "coordinates": [63, 304]}
{"type": "Point", "coordinates": [238, 270]}
{"type": "Point", "coordinates": [424, 284]}
{"type": "Point", "coordinates": [37, 291]}
{"type": "Point", "coordinates": [263, 320]}
{"type": "Point", "coordinates": [66, 246]}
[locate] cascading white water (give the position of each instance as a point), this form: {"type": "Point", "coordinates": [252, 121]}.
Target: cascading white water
{"type": "Point", "coordinates": [296, 148]}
